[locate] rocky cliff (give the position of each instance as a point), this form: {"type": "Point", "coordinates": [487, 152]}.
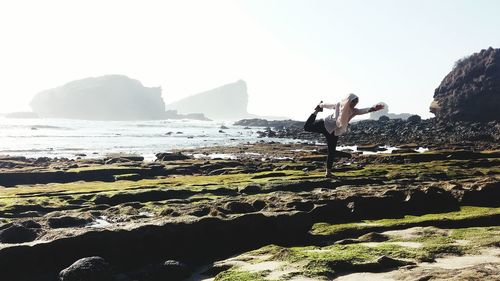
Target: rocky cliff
{"type": "Point", "coordinates": [226, 102]}
{"type": "Point", "coordinates": [471, 91]}
{"type": "Point", "coordinates": [109, 97]}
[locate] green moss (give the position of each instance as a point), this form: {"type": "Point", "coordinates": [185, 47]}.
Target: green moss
{"type": "Point", "coordinates": [465, 213]}
{"type": "Point", "coordinates": [478, 236]}
{"type": "Point", "coordinates": [453, 169]}
{"type": "Point", "coordinates": [370, 171]}
{"type": "Point", "coordinates": [101, 168]}
{"type": "Point", "coordinates": [233, 275]}
{"type": "Point", "coordinates": [325, 262]}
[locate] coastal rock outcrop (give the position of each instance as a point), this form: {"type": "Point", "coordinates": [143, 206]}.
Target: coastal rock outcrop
{"type": "Point", "coordinates": [109, 97]}
{"type": "Point", "coordinates": [471, 91]}
{"type": "Point", "coordinates": [229, 102]}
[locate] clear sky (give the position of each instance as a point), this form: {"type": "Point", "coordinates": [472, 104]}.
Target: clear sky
{"type": "Point", "coordinates": [291, 53]}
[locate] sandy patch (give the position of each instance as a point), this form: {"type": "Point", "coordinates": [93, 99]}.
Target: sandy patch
{"type": "Point", "coordinates": [462, 242]}
{"type": "Point", "coordinates": [386, 276]}
{"type": "Point", "coordinates": [414, 232]}
{"type": "Point", "coordinates": [402, 244]}
{"type": "Point", "coordinates": [262, 266]}
{"type": "Point", "coordinates": [302, 278]}
{"type": "Point", "coordinates": [487, 256]}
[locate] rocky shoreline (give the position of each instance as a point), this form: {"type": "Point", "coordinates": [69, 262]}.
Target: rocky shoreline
{"type": "Point", "coordinates": [183, 216]}
{"type": "Point", "coordinates": [431, 133]}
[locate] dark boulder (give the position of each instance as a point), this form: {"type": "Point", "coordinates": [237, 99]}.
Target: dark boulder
{"type": "Point", "coordinates": [123, 159]}
{"type": "Point", "coordinates": [383, 118]}
{"type": "Point", "coordinates": [430, 200]}
{"type": "Point", "coordinates": [403, 151]}
{"type": "Point", "coordinates": [414, 119]}
{"type": "Point", "coordinates": [383, 263]}
{"type": "Point", "coordinates": [169, 270]}
{"type": "Point", "coordinates": [375, 207]}
{"type": "Point", "coordinates": [239, 207]}
{"type": "Point", "coordinates": [170, 156]}
{"type": "Point", "coordinates": [259, 204]}
{"type": "Point", "coordinates": [370, 147]}
{"type": "Point", "coordinates": [86, 269]}
{"type": "Point", "coordinates": [17, 233]}
{"type": "Point", "coordinates": [66, 221]}
{"type": "Point", "coordinates": [486, 194]}
{"type": "Point", "coordinates": [471, 91]}
{"type": "Point", "coordinates": [304, 206]}
{"type": "Point", "coordinates": [31, 224]}
{"type": "Point", "coordinates": [251, 189]}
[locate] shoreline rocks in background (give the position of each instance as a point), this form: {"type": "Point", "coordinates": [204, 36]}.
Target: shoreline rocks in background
{"type": "Point", "coordinates": [167, 156]}
{"type": "Point", "coordinates": [395, 132]}
{"type": "Point", "coordinates": [471, 91]}
{"type": "Point", "coordinates": [278, 124]}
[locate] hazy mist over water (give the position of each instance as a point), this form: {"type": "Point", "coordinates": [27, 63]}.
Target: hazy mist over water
{"type": "Point", "coordinates": [68, 138]}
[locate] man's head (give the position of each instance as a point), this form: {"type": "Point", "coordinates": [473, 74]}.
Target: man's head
{"type": "Point", "coordinates": [353, 100]}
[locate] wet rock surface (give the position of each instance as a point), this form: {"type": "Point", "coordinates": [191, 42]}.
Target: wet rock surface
{"type": "Point", "coordinates": [174, 216]}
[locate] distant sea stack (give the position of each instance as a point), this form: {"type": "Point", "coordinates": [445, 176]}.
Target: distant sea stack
{"type": "Point", "coordinates": [226, 102]}
{"type": "Point", "coordinates": [109, 97]}
{"type": "Point", "coordinates": [385, 112]}
{"type": "Point", "coordinates": [471, 91]}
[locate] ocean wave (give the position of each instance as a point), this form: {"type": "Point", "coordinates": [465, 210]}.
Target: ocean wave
{"type": "Point", "coordinates": [49, 127]}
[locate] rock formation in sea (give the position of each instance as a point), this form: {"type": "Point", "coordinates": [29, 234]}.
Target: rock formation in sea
{"type": "Point", "coordinates": [385, 112]}
{"type": "Point", "coordinates": [173, 114]}
{"type": "Point", "coordinates": [471, 91]}
{"type": "Point", "coordinates": [109, 97]}
{"type": "Point", "coordinates": [229, 102]}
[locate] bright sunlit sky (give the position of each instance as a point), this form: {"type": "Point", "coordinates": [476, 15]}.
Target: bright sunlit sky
{"type": "Point", "coordinates": [292, 54]}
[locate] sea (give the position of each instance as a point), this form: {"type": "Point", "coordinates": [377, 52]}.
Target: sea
{"type": "Point", "coordinates": [68, 138]}
{"type": "Point", "coordinates": [64, 138]}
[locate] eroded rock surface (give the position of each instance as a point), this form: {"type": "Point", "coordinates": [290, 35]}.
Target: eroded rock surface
{"type": "Point", "coordinates": [471, 91]}
{"type": "Point", "coordinates": [196, 210]}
